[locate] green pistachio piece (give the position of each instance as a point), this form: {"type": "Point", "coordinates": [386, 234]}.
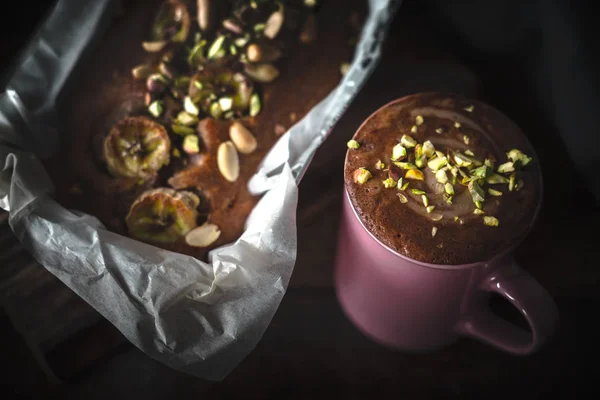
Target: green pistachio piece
{"type": "Point", "coordinates": [506, 167]}
{"type": "Point", "coordinates": [217, 48]}
{"type": "Point", "coordinates": [189, 106]}
{"type": "Point", "coordinates": [414, 174]}
{"type": "Point", "coordinates": [191, 144]}
{"type": "Point", "coordinates": [439, 130]}
{"type": "Point", "coordinates": [489, 163]}
{"type": "Point", "coordinates": [428, 149]}
{"type": "Point", "coordinates": [519, 185]}
{"type": "Point", "coordinates": [215, 110]}
{"type": "Point", "coordinates": [479, 204]}
{"type": "Point", "coordinates": [476, 192]}
{"type": "Point", "coordinates": [482, 172]}
{"type": "Point", "coordinates": [417, 191]}
{"type": "Point", "coordinates": [405, 165]}
{"type": "Point", "coordinates": [404, 186]}
{"type": "Point", "coordinates": [176, 153]}
{"type": "Point", "coordinates": [490, 221]}
{"type": "Point", "coordinates": [418, 151]}
{"type": "Point", "coordinates": [517, 157]}
{"type": "Point", "coordinates": [241, 41]}
{"type": "Point", "coordinates": [494, 192]}
{"type": "Point", "coordinates": [413, 129]}
{"type": "Point", "coordinates": [398, 152]}
{"type": "Point", "coordinates": [344, 68]}
{"type": "Point", "coordinates": [457, 124]}
{"type": "Point", "coordinates": [448, 198]}
{"type": "Point", "coordinates": [402, 198]}
{"type": "Point", "coordinates": [255, 105]}
{"type": "Point", "coordinates": [187, 119]}
{"type": "Point", "coordinates": [495, 179]}
{"type": "Point", "coordinates": [434, 231]}
{"type": "Point", "coordinates": [182, 130]}
{"type": "Point", "coordinates": [436, 217]}
{"type": "Point", "coordinates": [419, 120]}
{"type": "Point", "coordinates": [462, 160]}
{"type": "Point", "coordinates": [379, 165]}
{"type": "Point", "coordinates": [466, 139]}
{"type": "Point", "coordinates": [469, 153]}
{"type": "Point", "coordinates": [420, 162]}
{"type": "Point", "coordinates": [389, 183]}
{"type": "Point", "coordinates": [469, 108]}
{"type": "Point", "coordinates": [196, 55]}
{"type": "Point", "coordinates": [449, 188]}
{"type": "Point", "coordinates": [429, 209]}
{"type": "Point", "coordinates": [182, 82]}
{"type": "Point", "coordinates": [353, 144]}
{"type": "Point", "coordinates": [408, 141]}
{"type": "Point", "coordinates": [441, 176]}
{"type": "Point", "coordinates": [425, 200]}
{"type": "Point", "coordinates": [141, 71]}
{"type": "Point", "coordinates": [477, 211]}
{"type": "Point", "coordinates": [226, 103]}
{"type": "Point", "coordinates": [361, 176]}
{"type": "Point", "coordinates": [156, 108]}
{"type": "Point", "coordinates": [258, 28]}
{"type": "Point", "coordinates": [437, 163]}
{"type": "Point", "coordinates": [511, 182]}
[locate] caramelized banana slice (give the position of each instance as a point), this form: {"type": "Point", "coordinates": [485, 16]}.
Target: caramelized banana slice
{"type": "Point", "coordinates": [172, 22]}
{"type": "Point", "coordinates": [162, 215]}
{"type": "Point", "coordinates": [217, 92]}
{"type": "Point", "coordinates": [136, 147]}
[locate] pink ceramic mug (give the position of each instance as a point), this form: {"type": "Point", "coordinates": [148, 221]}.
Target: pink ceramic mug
{"type": "Point", "coordinates": [415, 306]}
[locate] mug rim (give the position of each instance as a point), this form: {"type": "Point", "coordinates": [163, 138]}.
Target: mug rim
{"type": "Point", "coordinates": [451, 266]}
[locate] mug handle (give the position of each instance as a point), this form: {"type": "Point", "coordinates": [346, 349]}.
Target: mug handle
{"type": "Point", "coordinates": [523, 292]}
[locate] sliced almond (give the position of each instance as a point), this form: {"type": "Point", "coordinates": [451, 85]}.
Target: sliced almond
{"type": "Point", "coordinates": [242, 138]}
{"type": "Point", "coordinates": [228, 161]}
{"type": "Point", "coordinates": [203, 236]}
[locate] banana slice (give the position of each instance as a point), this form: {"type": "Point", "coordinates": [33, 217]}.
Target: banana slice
{"type": "Point", "coordinates": [136, 147]}
{"type": "Point", "coordinates": [162, 215]}
{"type": "Point", "coordinates": [221, 92]}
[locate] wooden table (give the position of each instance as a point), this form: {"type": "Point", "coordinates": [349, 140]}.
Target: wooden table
{"type": "Point", "coordinates": [311, 349]}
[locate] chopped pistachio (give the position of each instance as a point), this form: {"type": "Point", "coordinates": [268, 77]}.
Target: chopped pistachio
{"type": "Point", "coordinates": [408, 141]}
{"type": "Point", "coordinates": [441, 176]}
{"type": "Point", "coordinates": [361, 175]}
{"type": "Point", "coordinates": [310, 3]}
{"type": "Point", "coordinates": [449, 188]}
{"type": "Point", "coordinates": [255, 105]}
{"type": "Point", "coordinates": [461, 160]}
{"type": "Point", "coordinates": [405, 165]}
{"type": "Point", "coordinates": [420, 162]}
{"type": "Point", "coordinates": [402, 198]}
{"type": "Point", "coordinates": [189, 106]}
{"type": "Point", "coordinates": [490, 221]}
{"type": "Point", "coordinates": [495, 179]}
{"type": "Point", "coordinates": [182, 82]}
{"type": "Point", "coordinates": [176, 153]}
{"type": "Point", "coordinates": [517, 157]}
{"type": "Point", "coordinates": [482, 172]}
{"type": "Point", "coordinates": [511, 182]}
{"type": "Point", "coordinates": [215, 110]}
{"type": "Point", "coordinates": [187, 119]}
{"type": "Point", "coordinates": [436, 217]}
{"type": "Point", "coordinates": [454, 170]}
{"type": "Point", "coordinates": [258, 28]}
{"type": "Point", "coordinates": [425, 200]}
{"type": "Point", "coordinates": [448, 198]}
{"type": "Point", "coordinates": [353, 144]}
{"type": "Point", "coordinates": [217, 48]}
{"type": "Point", "coordinates": [242, 41]}
{"type": "Point", "coordinates": [429, 209]}
{"type": "Point", "coordinates": [434, 231]}
{"type": "Point", "coordinates": [413, 129]}
{"type": "Point", "coordinates": [398, 152]}
{"type": "Point", "coordinates": [198, 84]}
{"type": "Point", "coordinates": [141, 71]}
{"type": "Point", "coordinates": [477, 211]}
{"type": "Point", "coordinates": [489, 163]}
{"type": "Point", "coordinates": [466, 139]}
{"type": "Point", "coordinates": [479, 204]}
{"type": "Point", "coordinates": [400, 184]}
{"type": "Point", "coordinates": [428, 149]}
{"type": "Point", "coordinates": [476, 192]}
{"type": "Point", "coordinates": [379, 165]}
{"type": "Point", "coordinates": [456, 124]}
{"type": "Point", "coordinates": [191, 144]}
{"type": "Point", "coordinates": [456, 218]}
{"type": "Point", "coordinates": [233, 50]}
{"type": "Point", "coordinates": [182, 130]}
{"type": "Point", "coordinates": [437, 163]}
{"type": "Point", "coordinates": [344, 67]}
{"type": "Point", "coordinates": [419, 120]}
{"type": "Point", "coordinates": [439, 130]}
{"type": "Point", "coordinates": [494, 192]}
{"type": "Point", "coordinates": [506, 167]}
{"type": "Point", "coordinates": [156, 108]}
{"type": "Point", "coordinates": [469, 108]}
{"type": "Point", "coordinates": [417, 191]}
{"type": "Point", "coordinates": [440, 153]}
{"type": "Point", "coordinates": [389, 183]}
{"type": "Point", "coordinates": [226, 103]}
{"type": "Point", "coordinates": [414, 174]}
{"type": "Point", "coordinates": [405, 186]}
{"type": "Point", "coordinates": [469, 153]}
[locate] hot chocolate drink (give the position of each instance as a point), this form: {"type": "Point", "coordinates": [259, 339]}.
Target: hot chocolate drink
{"type": "Point", "coordinates": [443, 179]}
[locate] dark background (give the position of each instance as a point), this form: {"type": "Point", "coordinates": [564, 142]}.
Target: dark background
{"type": "Point", "coordinates": [535, 61]}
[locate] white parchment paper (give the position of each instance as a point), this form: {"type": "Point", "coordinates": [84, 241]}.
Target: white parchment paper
{"type": "Point", "coordinates": [201, 318]}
